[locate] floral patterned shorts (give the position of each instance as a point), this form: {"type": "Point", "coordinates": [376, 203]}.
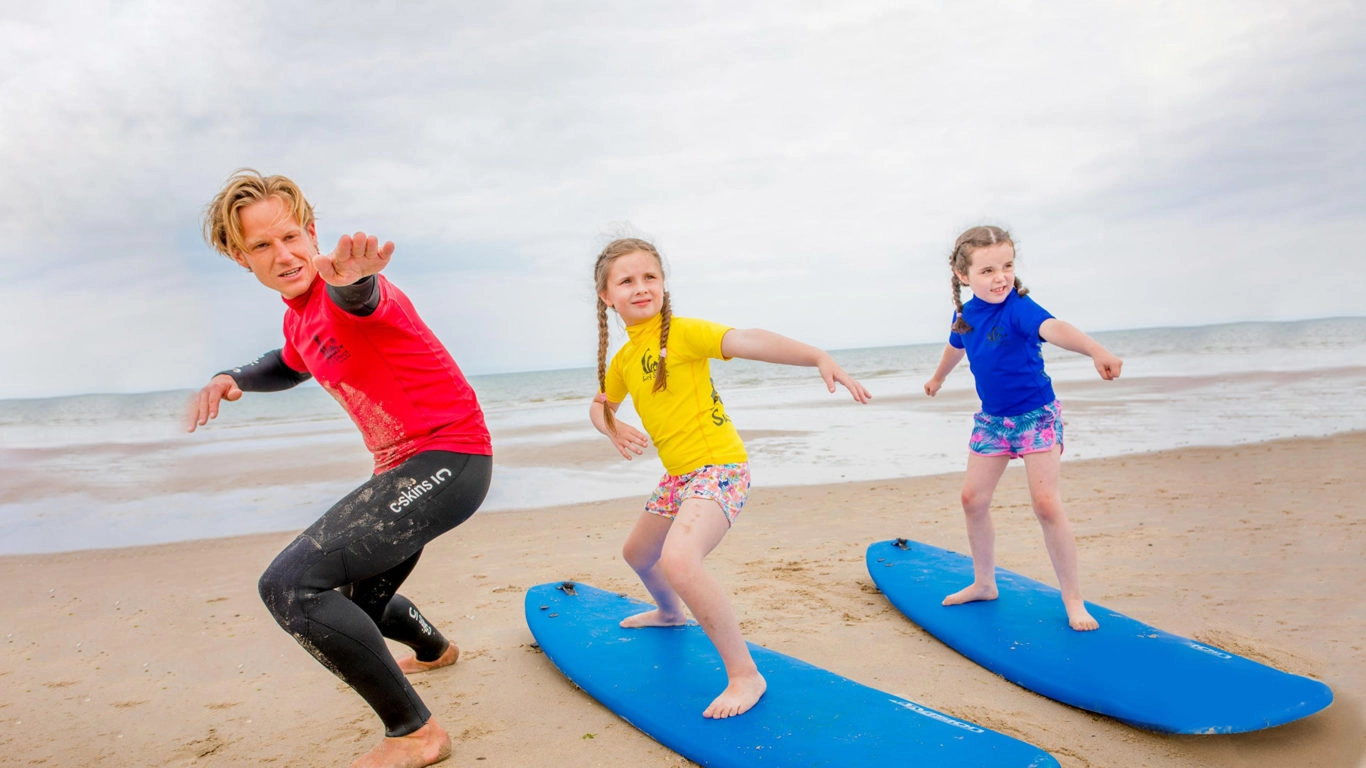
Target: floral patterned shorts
{"type": "Point", "coordinates": [725, 484]}
{"type": "Point", "coordinates": [1034, 432]}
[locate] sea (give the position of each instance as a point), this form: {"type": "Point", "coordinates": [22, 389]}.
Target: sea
{"type": "Point", "coordinates": [116, 470]}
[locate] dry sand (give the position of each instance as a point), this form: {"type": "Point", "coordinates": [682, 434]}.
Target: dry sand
{"type": "Point", "coordinates": [164, 655]}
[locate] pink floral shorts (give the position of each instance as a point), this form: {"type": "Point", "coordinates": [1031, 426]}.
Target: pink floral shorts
{"type": "Point", "coordinates": [725, 484]}
{"type": "Point", "coordinates": [1034, 432]}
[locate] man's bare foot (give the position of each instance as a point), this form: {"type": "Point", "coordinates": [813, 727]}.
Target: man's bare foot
{"type": "Point", "coordinates": [655, 618]}
{"type": "Point", "coordinates": [411, 665]}
{"type": "Point", "coordinates": [741, 694]}
{"type": "Point", "coordinates": [1079, 618]}
{"type": "Point", "coordinates": [427, 745]}
{"type": "Point", "coordinates": [971, 594]}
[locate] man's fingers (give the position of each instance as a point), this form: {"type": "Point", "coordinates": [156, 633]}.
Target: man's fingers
{"type": "Point", "coordinates": [343, 246]}
{"type": "Point", "coordinates": [359, 242]}
{"type": "Point", "coordinates": [204, 404]}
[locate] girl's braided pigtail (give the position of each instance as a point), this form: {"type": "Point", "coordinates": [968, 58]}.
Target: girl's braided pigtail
{"type": "Point", "coordinates": [960, 325]}
{"type": "Point", "coordinates": [607, 416]}
{"type": "Point", "coordinates": [662, 371]}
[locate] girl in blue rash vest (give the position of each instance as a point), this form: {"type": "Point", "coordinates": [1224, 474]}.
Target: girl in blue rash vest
{"type": "Point", "coordinates": [1000, 331]}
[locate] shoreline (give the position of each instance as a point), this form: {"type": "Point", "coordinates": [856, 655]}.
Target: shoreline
{"type": "Point", "coordinates": [116, 471]}
{"type": "Point", "coordinates": [163, 652]}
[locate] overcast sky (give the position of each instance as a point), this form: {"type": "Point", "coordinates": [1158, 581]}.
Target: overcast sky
{"type": "Point", "coordinates": [804, 167]}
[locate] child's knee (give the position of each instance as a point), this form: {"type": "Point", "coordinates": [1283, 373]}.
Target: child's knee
{"type": "Point", "coordinates": [975, 501]}
{"type": "Point", "coordinates": [1049, 510]}
{"type": "Point", "coordinates": [640, 558]}
{"type": "Point", "coordinates": [677, 562]}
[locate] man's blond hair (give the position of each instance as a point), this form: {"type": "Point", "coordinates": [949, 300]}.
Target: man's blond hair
{"type": "Point", "coordinates": [223, 216]}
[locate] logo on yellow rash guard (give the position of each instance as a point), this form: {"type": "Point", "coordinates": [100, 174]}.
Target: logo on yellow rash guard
{"type": "Point", "coordinates": [649, 364]}
{"type": "Point", "coordinates": [718, 409]}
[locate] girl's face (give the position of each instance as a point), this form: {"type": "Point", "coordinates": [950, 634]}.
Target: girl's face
{"type": "Point", "coordinates": [635, 287]}
{"type": "Point", "coordinates": [991, 272]}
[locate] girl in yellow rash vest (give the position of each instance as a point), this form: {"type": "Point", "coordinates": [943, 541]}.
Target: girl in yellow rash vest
{"type": "Point", "coordinates": [664, 366]}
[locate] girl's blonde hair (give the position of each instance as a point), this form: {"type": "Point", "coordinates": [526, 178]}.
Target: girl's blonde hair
{"type": "Point", "coordinates": [223, 215]}
{"type": "Point", "coordinates": [960, 261]}
{"type": "Point", "coordinates": [615, 250]}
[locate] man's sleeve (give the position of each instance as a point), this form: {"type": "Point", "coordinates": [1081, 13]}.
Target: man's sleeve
{"type": "Point", "coordinates": [267, 373]}
{"type": "Point", "coordinates": [360, 298]}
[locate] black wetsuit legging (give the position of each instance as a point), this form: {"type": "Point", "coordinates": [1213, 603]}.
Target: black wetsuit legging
{"type": "Point", "coordinates": [369, 542]}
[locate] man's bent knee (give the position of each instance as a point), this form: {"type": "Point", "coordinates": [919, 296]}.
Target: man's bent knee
{"type": "Point", "coordinates": [280, 585]}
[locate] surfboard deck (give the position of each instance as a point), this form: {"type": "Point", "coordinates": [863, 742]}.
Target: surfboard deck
{"type": "Point", "coordinates": [661, 679]}
{"type": "Point", "coordinates": [1127, 670]}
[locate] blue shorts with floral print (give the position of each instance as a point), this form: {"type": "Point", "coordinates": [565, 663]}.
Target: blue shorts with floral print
{"type": "Point", "coordinates": [1034, 432]}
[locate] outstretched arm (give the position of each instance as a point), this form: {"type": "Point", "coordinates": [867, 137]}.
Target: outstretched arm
{"type": "Point", "coordinates": [770, 347]}
{"type": "Point", "coordinates": [1070, 338]}
{"type": "Point", "coordinates": [951, 358]}
{"type": "Point", "coordinates": [625, 438]}
{"type": "Point", "coordinates": [267, 373]}
{"type": "Point", "coordinates": [356, 257]}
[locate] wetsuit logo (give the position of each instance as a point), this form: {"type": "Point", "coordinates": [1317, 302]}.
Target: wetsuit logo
{"type": "Point", "coordinates": [415, 616]}
{"type": "Point", "coordinates": [419, 489]}
{"type": "Point", "coordinates": [996, 335]}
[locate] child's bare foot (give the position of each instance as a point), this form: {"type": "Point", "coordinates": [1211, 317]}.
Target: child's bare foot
{"type": "Point", "coordinates": [1079, 618]}
{"type": "Point", "coordinates": [411, 665]}
{"type": "Point", "coordinates": [740, 695]}
{"type": "Point", "coordinates": [655, 618]}
{"type": "Point", "coordinates": [971, 594]}
{"type": "Point", "coordinates": [427, 745]}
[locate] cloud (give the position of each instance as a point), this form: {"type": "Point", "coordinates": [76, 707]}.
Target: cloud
{"type": "Point", "coordinates": [804, 167]}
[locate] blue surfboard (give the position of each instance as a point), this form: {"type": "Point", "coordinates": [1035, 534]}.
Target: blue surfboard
{"type": "Point", "coordinates": [1127, 670]}
{"type": "Point", "coordinates": [661, 679]}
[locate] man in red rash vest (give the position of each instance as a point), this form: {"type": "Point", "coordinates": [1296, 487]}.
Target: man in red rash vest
{"type": "Point", "coordinates": [334, 588]}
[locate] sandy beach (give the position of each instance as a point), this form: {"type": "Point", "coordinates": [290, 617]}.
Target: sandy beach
{"type": "Point", "coordinates": [164, 655]}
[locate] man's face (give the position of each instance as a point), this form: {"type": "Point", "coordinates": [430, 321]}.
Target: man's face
{"type": "Point", "coordinates": [278, 250]}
